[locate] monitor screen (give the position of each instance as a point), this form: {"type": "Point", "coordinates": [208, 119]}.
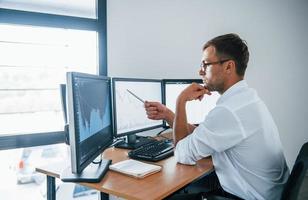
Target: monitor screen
{"type": "Point", "coordinates": [129, 112]}
{"type": "Point", "coordinates": [90, 120]}
{"type": "Point", "coordinates": [196, 110]}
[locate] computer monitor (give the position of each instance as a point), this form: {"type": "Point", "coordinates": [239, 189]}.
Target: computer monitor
{"type": "Point", "coordinates": [196, 110]}
{"type": "Point", "coordinates": [90, 126]}
{"type": "Point", "coordinates": [63, 97]}
{"type": "Point", "coordinates": [130, 116]}
{"type": "Point", "coordinates": [63, 102]}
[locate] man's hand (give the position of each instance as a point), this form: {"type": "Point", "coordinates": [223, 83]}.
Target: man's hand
{"type": "Point", "coordinates": [158, 111]}
{"type": "Point", "coordinates": [193, 92]}
{"type": "Point", "coordinates": [155, 110]}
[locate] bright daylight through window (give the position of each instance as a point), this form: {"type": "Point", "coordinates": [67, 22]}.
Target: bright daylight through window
{"type": "Point", "coordinates": [33, 63]}
{"type": "Point", "coordinates": [77, 8]}
{"type": "Point", "coordinates": [41, 40]}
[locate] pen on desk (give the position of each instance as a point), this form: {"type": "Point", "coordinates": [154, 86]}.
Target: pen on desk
{"type": "Point", "coordinates": [135, 96]}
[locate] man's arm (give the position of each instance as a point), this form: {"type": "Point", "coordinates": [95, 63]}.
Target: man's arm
{"type": "Point", "coordinates": [181, 128]}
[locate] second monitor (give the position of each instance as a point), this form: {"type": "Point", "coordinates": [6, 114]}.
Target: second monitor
{"type": "Point", "coordinates": [129, 113]}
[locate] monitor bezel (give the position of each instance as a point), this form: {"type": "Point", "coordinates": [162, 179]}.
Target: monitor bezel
{"type": "Point", "coordinates": [115, 79]}
{"type": "Point", "coordinates": [76, 164]}
{"type": "Point", "coordinates": [63, 97]}
{"type": "Point", "coordinates": [176, 81]}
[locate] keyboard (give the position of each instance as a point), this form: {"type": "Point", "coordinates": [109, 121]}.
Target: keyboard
{"type": "Point", "coordinates": [154, 151]}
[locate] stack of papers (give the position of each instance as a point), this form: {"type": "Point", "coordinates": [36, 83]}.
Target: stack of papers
{"type": "Point", "coordinates": [135, 168]}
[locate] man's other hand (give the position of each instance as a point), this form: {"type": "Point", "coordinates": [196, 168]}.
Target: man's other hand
{"type": "Point", "coordinates": [194, 92]}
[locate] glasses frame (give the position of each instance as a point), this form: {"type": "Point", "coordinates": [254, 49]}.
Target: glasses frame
{"type": "Point", "coordinates": [204, 65]}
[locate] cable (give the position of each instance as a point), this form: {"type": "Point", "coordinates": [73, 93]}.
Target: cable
{"type": "Point", "coordinates": [117, 141]}
{"type": "Point", "coordinates": [101, 155]}
{"type": "Point", "coordinates": [100, 160]}
{"type": "Point", "coordinates": [160, 132]}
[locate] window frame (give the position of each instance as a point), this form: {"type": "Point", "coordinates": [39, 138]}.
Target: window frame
{"type": "Point", "coordinates": [17, 17]}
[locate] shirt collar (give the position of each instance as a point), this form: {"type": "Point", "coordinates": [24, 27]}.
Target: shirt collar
{"type": "Point", "coordinates": [232, 90]}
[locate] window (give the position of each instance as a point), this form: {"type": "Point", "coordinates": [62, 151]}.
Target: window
{"type": "Point", "coordinates": [77, 8]}
{"type": "Point", "coordinates": [40, 41]}
{"type": "Point", "coordinates": [34, 61]}
{"type": "Point", "coordinates": [19, 180]}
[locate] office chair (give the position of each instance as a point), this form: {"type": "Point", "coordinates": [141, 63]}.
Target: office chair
{"type": "Point", "coordinates": [297, 176]}
{"type": "Point", "coordinates": [296, 179]}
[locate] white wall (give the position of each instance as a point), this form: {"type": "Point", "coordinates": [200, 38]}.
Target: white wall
{"type": "Point", "coordinates": [163, 39]}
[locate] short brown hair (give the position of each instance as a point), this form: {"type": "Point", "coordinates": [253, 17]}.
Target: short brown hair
{"type": "Point", "coordinates": [231, 46]}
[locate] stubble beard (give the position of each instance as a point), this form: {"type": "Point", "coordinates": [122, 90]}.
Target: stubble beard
{"type": "Point", "coordinates": [214, 87]}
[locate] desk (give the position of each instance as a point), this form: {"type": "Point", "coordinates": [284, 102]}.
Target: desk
{"type": "Point", "coordinates": [173, 177]}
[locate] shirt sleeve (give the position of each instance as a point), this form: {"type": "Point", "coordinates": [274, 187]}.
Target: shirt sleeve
{"type": "Point", "coordinates": [220, 131]}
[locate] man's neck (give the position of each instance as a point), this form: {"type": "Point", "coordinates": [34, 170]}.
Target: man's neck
{"type": "Point", "coordinates": [232, 82]}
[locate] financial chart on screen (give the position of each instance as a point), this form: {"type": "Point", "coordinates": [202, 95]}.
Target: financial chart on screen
{"type": "Point", "coordinates": [130, 114]}
{"type": "Point", "coordinates": [93, 108]}
{"type": "Point", "coordinates": [90, 126]}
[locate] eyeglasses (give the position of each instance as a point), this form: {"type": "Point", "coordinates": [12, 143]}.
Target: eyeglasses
{"type": "Point", "coordinates": [204, 65]}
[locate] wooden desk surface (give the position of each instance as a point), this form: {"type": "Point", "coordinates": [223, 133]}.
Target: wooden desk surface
{"type": "Point", "coordinates": [157, 186]}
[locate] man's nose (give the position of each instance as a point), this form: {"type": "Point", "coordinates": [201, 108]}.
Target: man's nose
{"type": "Point", "coordinates": [201, 72]}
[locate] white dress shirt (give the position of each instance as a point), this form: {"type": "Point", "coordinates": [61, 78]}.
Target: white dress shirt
{"type": "Point", "coordinates": [243, 140]}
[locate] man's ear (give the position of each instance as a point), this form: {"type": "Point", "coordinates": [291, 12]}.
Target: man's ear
{"type": "Point", "coordinates": [230, 67]}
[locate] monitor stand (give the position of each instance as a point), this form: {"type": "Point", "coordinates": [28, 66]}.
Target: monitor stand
{"type": "Point", "coordinates": [93, 173]}
{"type": "Point", "coordinates": [134, 141]}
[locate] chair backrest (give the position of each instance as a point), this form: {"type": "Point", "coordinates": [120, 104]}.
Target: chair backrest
{"type": "Point", "coordinates": [297, 176]}
{"type": "Point", "coordinates": [303, 153]}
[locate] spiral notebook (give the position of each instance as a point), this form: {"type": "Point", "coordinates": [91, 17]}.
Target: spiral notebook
{"type": "Point", "coordinates": [135, 168]}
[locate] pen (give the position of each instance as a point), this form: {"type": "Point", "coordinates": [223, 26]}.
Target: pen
{"type": "Point", "coordinates": [135, 96]}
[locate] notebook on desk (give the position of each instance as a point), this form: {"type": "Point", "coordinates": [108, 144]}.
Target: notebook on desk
{"type": "Point", "coordinates": [135, 168]}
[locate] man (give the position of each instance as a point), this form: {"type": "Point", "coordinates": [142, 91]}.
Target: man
{"type": "Point", "coordinates": [239, 133]}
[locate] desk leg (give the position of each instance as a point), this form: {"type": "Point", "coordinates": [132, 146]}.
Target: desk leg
{"type": "Point", "coordinates": [103, 196]}
{"type": "Point", "coordinates": [51, 188]}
